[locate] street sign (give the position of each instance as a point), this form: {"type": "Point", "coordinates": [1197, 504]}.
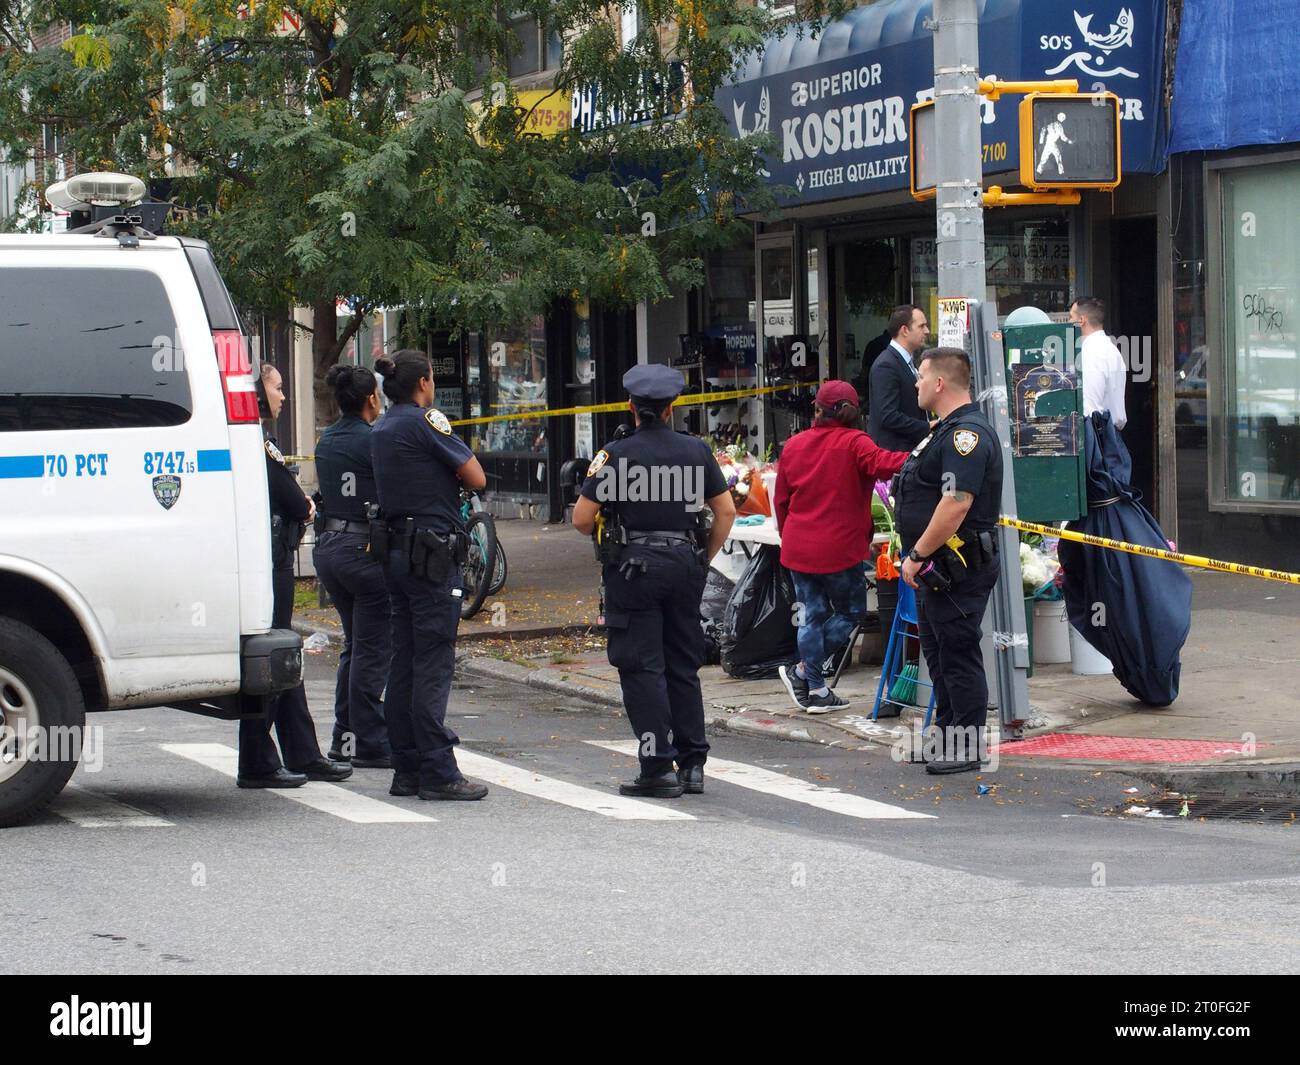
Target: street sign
{"type": "Point", "coordinates": [920, 148]}
{"type": "Point", "coordinates": [1070, 141]}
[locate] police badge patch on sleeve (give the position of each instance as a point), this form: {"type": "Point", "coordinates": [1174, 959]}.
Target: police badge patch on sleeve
{"type": "Point", "coordinates": [964, 440]}
{"type": "Point", "coordinates": [274, 452]}
{"type": "Point", "coordinates": [601, 458]}
{"type": "Point", "coordinates": [438, 420]}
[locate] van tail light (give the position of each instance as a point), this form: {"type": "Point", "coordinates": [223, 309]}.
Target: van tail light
{"type": "Point", "coordinates": [236, 376]}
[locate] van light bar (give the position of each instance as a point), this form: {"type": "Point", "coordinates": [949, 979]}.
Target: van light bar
{"type": "Point", "coordinates": [101, 189]}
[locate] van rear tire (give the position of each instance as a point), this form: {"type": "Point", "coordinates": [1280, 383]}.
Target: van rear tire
{"type": "Point", "coordinates": [37, 689]}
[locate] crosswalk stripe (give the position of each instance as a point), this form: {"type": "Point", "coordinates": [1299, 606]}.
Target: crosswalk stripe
{"type": "Point", "coordinates": [328, 798]}
{"type": "Point", "coordinates": [608, 804]}
{"type": "Point", "coordinates": [90, 810]}
{"type": "Point", "coordinates": [787, 787]}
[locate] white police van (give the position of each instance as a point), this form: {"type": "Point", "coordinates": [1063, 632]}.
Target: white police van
{"type": "Point", "coordinates": [135, 552]}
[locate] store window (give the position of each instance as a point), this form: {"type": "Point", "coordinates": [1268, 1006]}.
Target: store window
{"type": "Point", "coordinates": [515, 383]}
{"type": "Point", "coordinates": [1261, 371]}
{"type": "Point", "coordinates": [1027, 262]}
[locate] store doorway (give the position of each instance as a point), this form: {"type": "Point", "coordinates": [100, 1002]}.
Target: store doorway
{"type": "Point", "coordinates": [1131, 319]}
{"type": "Point", "coordinates": [870, 280]}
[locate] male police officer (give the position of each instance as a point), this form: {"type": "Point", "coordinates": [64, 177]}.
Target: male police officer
{"type": "Point", "coordinates": [948, 495]}
{"type": "Point", "coordinates": [654, 484]}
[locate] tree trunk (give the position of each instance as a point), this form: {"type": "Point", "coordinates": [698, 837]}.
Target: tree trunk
{"type": "Point", "coordinates": [325, 350]}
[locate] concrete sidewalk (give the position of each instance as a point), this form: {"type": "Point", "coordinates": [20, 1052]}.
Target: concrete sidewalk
{"type": "Point", "coordinates": [1236, 722]}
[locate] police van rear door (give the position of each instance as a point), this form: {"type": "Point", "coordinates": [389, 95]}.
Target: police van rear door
{"type": "Point", "coordinates": [247, 457]}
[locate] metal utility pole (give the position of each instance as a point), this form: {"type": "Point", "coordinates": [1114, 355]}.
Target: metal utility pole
{"type": "Point", "coordinates": [960, 254]}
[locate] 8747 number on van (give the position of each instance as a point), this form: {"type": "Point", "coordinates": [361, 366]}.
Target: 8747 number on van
{"type": "Point", "coordinates": [167, 462]}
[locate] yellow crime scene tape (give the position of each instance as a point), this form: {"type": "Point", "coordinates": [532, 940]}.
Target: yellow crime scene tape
{"type": "Point", "coordinates": [1153, 552]}
{"type": "Point", "coordinates": [697, 399]}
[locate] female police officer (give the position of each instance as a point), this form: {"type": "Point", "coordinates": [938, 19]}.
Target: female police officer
{"type": "Point", "coordinates": [654, 588]}
{"type": "Point", "coordinates": [349, 571]}
{"type": "Point", "coordinates": [420, 465]}
{"type": "Point", "coordinates": [259, 764]}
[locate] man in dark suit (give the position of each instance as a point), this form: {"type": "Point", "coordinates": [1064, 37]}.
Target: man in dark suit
{"type": "Point", "coordinates": [896, 422]}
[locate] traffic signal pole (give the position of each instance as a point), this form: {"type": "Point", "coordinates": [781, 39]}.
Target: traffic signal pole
{"type": "Point", "coordinates": [959, 205]}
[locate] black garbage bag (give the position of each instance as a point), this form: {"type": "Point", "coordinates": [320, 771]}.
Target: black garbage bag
{"type": "Point", "coordinates": [1146, 603]}
{"type": "Point", "coordinates": [758, 632]}
{"type": "Point", "coordinates": [713, 609]}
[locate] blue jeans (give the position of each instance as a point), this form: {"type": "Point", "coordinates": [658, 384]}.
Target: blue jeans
{"type": "Point", "coordinates": [833, 603]}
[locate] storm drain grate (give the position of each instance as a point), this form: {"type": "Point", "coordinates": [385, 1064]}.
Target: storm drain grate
{"type": "Point", "coordinates": [1217, 809]}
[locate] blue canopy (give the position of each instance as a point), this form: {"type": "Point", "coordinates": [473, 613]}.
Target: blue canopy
{"type": "Point", "coordinates": [1235, 76]}
{"type": "Point", "coordinates": [1134, 609]}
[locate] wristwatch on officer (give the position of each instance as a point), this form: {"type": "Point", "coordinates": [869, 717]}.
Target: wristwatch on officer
{"type": "Point", "coordinates": [915, 557]}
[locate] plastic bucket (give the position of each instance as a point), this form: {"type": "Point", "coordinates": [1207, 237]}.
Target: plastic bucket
{"type": "Point", "coordinates": [1086, 660]}
{"type": "Point", "coordinates": [1051, 632]}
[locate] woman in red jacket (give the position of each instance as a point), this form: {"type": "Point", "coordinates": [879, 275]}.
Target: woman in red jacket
{"type": "Point", "coordinates": [824, 483]}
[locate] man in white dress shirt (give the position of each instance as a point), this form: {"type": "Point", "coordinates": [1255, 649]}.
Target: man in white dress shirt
{"type": "Point", "coordinates": [1101, 366]}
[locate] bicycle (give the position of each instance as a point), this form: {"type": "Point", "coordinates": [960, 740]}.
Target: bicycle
{"type": "Point", "coordinates": [483, 559]}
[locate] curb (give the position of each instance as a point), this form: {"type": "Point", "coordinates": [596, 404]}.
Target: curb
{"type": "Point", "coordinates": [335, 634]}
{"type": "Point", "coordinates": [495, 669]}
{"type": "Point", "coordinates": [1245, 781]}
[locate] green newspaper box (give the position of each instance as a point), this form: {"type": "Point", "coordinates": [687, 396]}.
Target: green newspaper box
{"type": "Point", "coordinates": [1045, 411]}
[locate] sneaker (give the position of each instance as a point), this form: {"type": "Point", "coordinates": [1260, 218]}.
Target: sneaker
{"type": "Point", "coordinates": [824, 704]}
{"type": "Point", "coordinates": [454, 791]}
{"type": "Point", "coordinates": [795, 685]}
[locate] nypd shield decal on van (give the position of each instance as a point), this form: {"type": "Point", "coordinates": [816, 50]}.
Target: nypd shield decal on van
{"type": "Point", "coordinates": [167, 489]}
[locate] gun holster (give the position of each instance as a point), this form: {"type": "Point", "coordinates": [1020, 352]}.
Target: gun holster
{"type": "Point", "coordinates": [286, 535]}
{"type": "Point", "coordinates": [318, 522]}
{"type": "Point", "coordinates": [609, 539]}
{"type": "Point", "coordinates": [380, 541]}
{"type": "Point", "coordinates": [434, 556]}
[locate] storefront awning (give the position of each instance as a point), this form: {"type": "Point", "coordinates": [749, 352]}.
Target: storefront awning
{"type": "Point", "coordinates": [837, 103]}
{"type": "Point", "coordinates": [1234, 79]}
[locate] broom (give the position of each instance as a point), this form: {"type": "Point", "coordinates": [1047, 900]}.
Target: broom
{"type": "Point", "coordinates": [903, 690]}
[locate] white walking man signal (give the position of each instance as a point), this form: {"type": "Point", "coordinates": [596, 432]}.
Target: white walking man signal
{"type": "Point", "coordinates": [1052, 136]}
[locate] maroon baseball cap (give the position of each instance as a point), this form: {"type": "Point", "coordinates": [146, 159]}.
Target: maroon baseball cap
{"type": "Point", "coordinates": [832, 392]}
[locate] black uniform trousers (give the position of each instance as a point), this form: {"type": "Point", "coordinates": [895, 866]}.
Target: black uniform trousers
{"type": "Point", "coordinates": [426, 615]}
{"type": "Point", "coordinates": [355, 582]}
{"type": "Point", "coordinates": [652, 617]}
{"type": "Point", "coordinates": [950, 625]}
{"type": "Point", "coordinates": [290, 715]}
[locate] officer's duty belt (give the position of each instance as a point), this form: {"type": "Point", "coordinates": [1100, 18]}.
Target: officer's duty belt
{"type": "Point", "coordinates": [659, 537]}
{"type": "Point", "coordinates": [345, 526]}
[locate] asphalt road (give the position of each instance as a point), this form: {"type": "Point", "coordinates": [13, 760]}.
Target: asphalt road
{"type": "Point", "coordinates": [158, 864]}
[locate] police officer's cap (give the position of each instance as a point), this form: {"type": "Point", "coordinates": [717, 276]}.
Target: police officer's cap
{"type": "Point", "coordinates": [654, 381]}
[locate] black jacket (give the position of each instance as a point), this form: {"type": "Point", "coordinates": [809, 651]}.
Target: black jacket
{"type": "Point", "coordinates": [896, 422]}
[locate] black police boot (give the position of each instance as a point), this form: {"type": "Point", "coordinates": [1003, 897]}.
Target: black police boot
{"type": "Point", "coordinates": [335, 755]}
{"type": "Point", "coordinates": [692, 779]}
{"type": "Point", "coordinates": [281, 778]}
{"type": "Point", "coordinates": [405, 784]}
{"type": "Point", "coordinates": [461, 790]}
{"type": "Point", "coordinates": [664, 786]}
{"type": "Point", "coordinates": [379, 761]}
{"type": "Point", "coordinates": [325, 769]}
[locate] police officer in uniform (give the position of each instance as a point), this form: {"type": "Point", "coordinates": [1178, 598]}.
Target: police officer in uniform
{"type": "Point", "coordinates": [259, 763]}
{"type": "Point", "coordinates": [948, 496]}
{"type": "Point", "coordinates": [653, 484]}
{"type": "Point", "coordinates": [420, 465]}
{"type": "Point", "coordinates": [350, 572]}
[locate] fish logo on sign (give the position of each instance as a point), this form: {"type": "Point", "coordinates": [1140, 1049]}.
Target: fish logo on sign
{"type": "Point", "coordinates": [762, 119]}
{"type": "Point", "coordinates": [1100, 45]}
{"type": "Point", "coordinates": [167, 489]}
